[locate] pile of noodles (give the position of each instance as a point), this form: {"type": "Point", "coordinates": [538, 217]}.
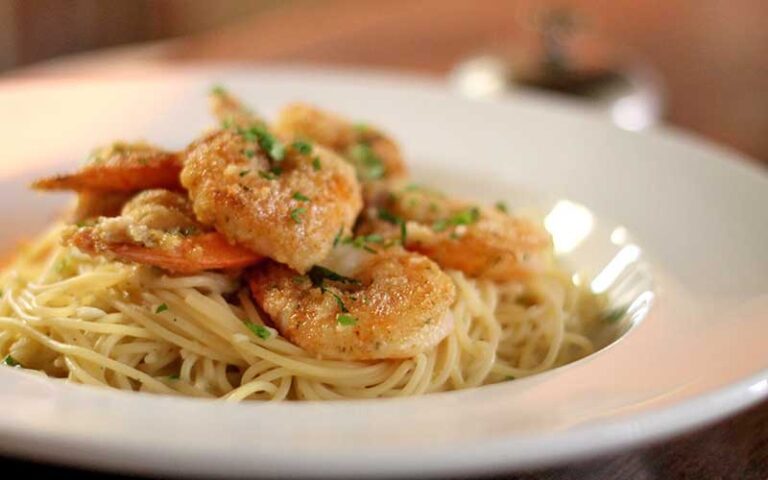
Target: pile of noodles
{"type": "Point", "coordinates": [100, 322]}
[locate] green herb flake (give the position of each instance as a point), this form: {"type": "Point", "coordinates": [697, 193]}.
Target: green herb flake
{"type": "Point", "coordinates": [296, 214]}
{"type": "Point", "coordinates": [143, 161]}
{"type": "Point", "coordinates": [10, 361]}
{"type": "Point", "coordinates": [249, 152]}
{"type": "Point", "coordinates": [339, 302]}
{"type": "Point", "coordinates": [173, 377]}
{"type": "Point", "coordinates": [161, 308]}
{"type": "Point", "coordinates": [369, 165]}
{"type": "Point", "coordinates": [346, 320]}
{"type": "Point", "coordinates": [304, 148]}
{"type": "Point", "coordinates": [268, 174]}
{"type": "Point", "coordinates": [466, 217]}
{"type": "Point", "coordinates": [615, 314]}
{"type": "Point", "coordinates": [259, 330]}
{"type": "Point", "coordinates": [502, 207]}
{"type": "Point", "coordinates": [316, 164]}
{"type": "Point", "coordinates": [337, 238]}
{"type": "Point", "coordinates": [318, 275]}
{"type": "Point", "coordinates": [218, 90]}
{"type": "Point", "coordinates": [300, 197]}
{"type": "Point", "coordinates": [388, 216]}
{"type": "Point", "coordinates": [268, 142]}
{"type": "Point", "coordinates": [244, 173]}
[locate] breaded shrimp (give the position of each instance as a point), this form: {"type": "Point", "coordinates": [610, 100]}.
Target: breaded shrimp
{"type": "Point", "coordinates": [120, 167]}
{"type": "Point", "coordinates": [157, 227]}
{"type": "Point", "coordinates": [92, 204]}
{"type": "Point", "coordinates": [230, 111]}
{"type": "Point", "coordinates": [374, 154]}
{"type": "Point", "coordinates": [391, 304]}
{"type": "Point", "coordinates": [480, 241]}
{"type": "Point", "coordinates": [284, 202]}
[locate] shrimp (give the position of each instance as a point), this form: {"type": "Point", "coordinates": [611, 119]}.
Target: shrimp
{"type": "Point", "coordinates": [120, 167]}
{"type": "Point", "coordinates": [386, 305]}
{"type": "Point", "coordinates": [374, 154]}
{"type": "Point", "coordinates": [482, 242]}
{"type": "Point", "coordinates": [157, 227]}
{"type": "Point", "coordinates": [92, 204]}
{"type": "Point", "coordinates": [284, 202]}
{"type": "Point", "coordinates": [231, 111]}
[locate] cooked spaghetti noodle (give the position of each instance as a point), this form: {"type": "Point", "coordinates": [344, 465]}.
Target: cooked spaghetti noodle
{"type": "Point", "coordinates": [100, 322]}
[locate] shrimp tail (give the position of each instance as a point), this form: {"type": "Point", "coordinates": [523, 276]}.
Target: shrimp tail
{"type": "Point", "coordinates": [159, 171]}
{"type": "Point", "coordinates": [208, 251]}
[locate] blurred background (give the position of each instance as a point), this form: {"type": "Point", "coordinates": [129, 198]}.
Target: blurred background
{"type": "Point", "coordinates": [697, 64]}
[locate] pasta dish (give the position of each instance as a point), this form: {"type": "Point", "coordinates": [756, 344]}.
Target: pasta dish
{"type": "Point", "coordinates": [285, 260]}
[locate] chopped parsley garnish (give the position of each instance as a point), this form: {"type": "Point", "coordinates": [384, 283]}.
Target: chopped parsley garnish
{"type": "Point", "coordinates": [339, 302]}
{"type": "Point", "coordinates": [296, 214]}
{"type": "Point", "coordinates": [615, 314]}
{"type": "Point", "coordinates": [502, 207]}
{"type": "Point", "coordinates": [346, 319]}
{"type": "Point", "coordinates": [244, 173]}
{"type": "Point", "coordinates": [161, 308]}
{"type": "Point", "coordinates": [10, 361]}
{"type": "Point", "coordinates": [316, 164]}
{"type": "Point", "coordinates": [218, 90]}
{"type": "Point", "coordinates": [227, 123]}
{"type": "Point", "coordinates": [305, 148]}
{"type": "Point", "coordinates": [259, 330]}
{"type": "Point", "coordinates": [362, 241]}
{"type": "Point", "coordinates": [143, 161]}
{"type": "Point", "coordinates": [300, 197]}
{"type": "Point", "coordinates": [318, 275]}
{"type": "Point", "coordinates": [249, 152]}
{"type": "Point", "coordinates": [271, 174]}
{"type": "Point", "coordinates": [466, 217]}
{"type": "Point", "coordinates": [173, 377]}
{"type": "Point", "coordinates": [389, 217]}
{"type": "Point", "coordinates": [337, 238]}
{"type": "Point", "coordinates": [369, 165]}
{"type": "Point", "coordinates": [268, 142]}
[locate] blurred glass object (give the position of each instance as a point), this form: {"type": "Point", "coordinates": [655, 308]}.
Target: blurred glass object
{"type": "Point", "coordinates": [560, 56]}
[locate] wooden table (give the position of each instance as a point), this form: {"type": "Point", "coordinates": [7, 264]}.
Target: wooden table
{"type": "Point", "coordinates": [717, 85]}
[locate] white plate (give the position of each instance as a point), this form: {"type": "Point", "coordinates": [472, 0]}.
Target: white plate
{"type": "Point", "coordinates": [698, 212]}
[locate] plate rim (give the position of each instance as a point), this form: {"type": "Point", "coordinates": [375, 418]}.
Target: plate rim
{"type": "Point", "coordinates": [614, 435]}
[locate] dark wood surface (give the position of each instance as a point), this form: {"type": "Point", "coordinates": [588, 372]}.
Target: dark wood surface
{"type": "Point", "coordinates": [712, 55]}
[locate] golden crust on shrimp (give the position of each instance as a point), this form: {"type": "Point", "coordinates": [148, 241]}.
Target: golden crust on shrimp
{"type": "Point", "coordinates": [373, 153]}
{"type": "Point", "coordinates": [158, 228]}
{"type": "Point", "coordinates": [287, 203]}
{"type": "Point", "coordinates": [394, 304]}
{"type": "Point", "coordinates": [482, 242]}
